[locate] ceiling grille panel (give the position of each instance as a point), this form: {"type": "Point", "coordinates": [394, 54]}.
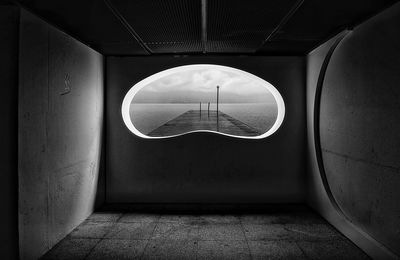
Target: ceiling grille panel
{"type": "Point", "coordinates": [240, 25]}
{"type": "Point", "coordinates": [90, 21]}
{"type": "Point", "coordinates": [257, 27]}
{"type": "Point", "coordinates": [317, 20]}
{"type": "Point", "coordinates": [172, 26]}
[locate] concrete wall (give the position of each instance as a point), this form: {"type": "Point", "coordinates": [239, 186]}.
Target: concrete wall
{"type": "Point", "coordinates": [60, 123]}
{"type": "Point", "coordinates": [206, 167]}
{"type": "Point", "coordinates": [9, 16]}
{"type": "Point", "coordinates": [359, 134]}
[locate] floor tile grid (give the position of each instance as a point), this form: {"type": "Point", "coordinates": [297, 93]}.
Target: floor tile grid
{"type": "Point", "coordinates": [148, 240]}
{"type": "Point", "coordinates": [233, 222]}
{"type": "Point", "coordinates": [162, 220]}
{"type": "Point", "coordinates": [182, 222]}
{"type": "Point", "coordinates": [293, 239]}
{"type": "Point", "coordinates": [102, 238]}
{"type": "Point", "coordinates": [286, 239]}
{"type": "Point", "coordinates": [198, 239]}
{"type": "Point", "coordinates": [244, 235]}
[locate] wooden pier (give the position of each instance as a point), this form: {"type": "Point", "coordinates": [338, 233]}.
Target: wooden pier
{"type": "Point", "coordinates": [193, 120]}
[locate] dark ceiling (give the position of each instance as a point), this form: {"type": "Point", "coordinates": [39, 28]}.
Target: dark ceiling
{"type": "Point", "coordinates": [253, 27]}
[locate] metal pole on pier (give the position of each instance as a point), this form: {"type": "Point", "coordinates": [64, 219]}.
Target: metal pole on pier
{"type": "Point", "coordinates": [208, 110]}
{"type": "Point", "coordinates": [218, 108]}
{"type": "Point", "coordinates": [200, 109]}
{"type": "Point", "coordinates": [217, 98]}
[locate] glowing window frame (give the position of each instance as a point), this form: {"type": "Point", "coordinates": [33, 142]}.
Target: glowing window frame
{"type": "Point", "coordinates": [125, 109]}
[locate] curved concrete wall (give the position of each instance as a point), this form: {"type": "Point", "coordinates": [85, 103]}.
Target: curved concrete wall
{"type": "Point", "coordinates": [206, 167]}
{"type": "Point", "coordinates": [360, 126]}
{"type": "Point", "coordinates": [60, 127]}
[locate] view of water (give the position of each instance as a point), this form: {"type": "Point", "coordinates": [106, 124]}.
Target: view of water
{"type": "Point", "coordinates": [147, 117]}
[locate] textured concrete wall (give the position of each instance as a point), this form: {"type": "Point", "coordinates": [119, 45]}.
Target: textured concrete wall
{"type": "Point", "coordinates": [359, 126]}
{"type": "Point", "coordinates": [60, 123]}
{"type": "Point", "coordinates": [206, 167]}
{"type": "Point", "coordinates": [9, 17]}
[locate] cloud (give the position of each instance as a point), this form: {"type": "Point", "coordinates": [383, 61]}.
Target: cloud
{"type": "Point", "coordinates": [204, 81]}
{"type": "Point", "coordinates": [166, 84]}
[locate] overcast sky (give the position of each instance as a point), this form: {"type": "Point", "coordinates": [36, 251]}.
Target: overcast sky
{"type": "Point", "coordinates": [200, 86]}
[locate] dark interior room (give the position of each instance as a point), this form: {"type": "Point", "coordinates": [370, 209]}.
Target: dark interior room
{"type": "Point", "coordinates": [200, 129]}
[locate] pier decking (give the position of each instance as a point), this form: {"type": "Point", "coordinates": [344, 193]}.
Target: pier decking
{"type": "Point", "coordinates": [193, 120]}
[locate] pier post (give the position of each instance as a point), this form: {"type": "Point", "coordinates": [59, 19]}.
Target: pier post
{"type": "Point", "coordinates": [200, 109]}
{"type": "Point", "coordinates": [208, 110]}
{"type": "Point", "coordinates": [217, 98]}
{"type": "Point", "coordinates": [218, 108]}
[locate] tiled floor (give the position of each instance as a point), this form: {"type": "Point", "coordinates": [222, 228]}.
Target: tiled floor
{"type": "Point", "coordinates": [291, 235]}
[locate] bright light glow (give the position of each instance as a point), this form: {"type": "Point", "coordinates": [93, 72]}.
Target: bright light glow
{"type": "Point", "coordinates": [243, 82]}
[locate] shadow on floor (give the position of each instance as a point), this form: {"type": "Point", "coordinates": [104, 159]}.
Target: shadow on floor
{"type": "Point", "coordinates": [297, 233]}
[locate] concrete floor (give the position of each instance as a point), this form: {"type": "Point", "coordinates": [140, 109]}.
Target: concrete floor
{"type": "Point", "coordinates": [286, 235]}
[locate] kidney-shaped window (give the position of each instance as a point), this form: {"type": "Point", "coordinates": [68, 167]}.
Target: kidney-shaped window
{"type": "Point", "coordinates": [203, 98]}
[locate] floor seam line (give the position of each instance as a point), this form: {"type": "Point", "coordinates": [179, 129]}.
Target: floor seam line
{"type": "Point", "coordinates": [245, 237]}
{"type": "Point", "coordinates": [302, 251]}
{"type": "Point", "coordinates": [150, 239]}
{"type": "Point", "coordinates": [101, 239]}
